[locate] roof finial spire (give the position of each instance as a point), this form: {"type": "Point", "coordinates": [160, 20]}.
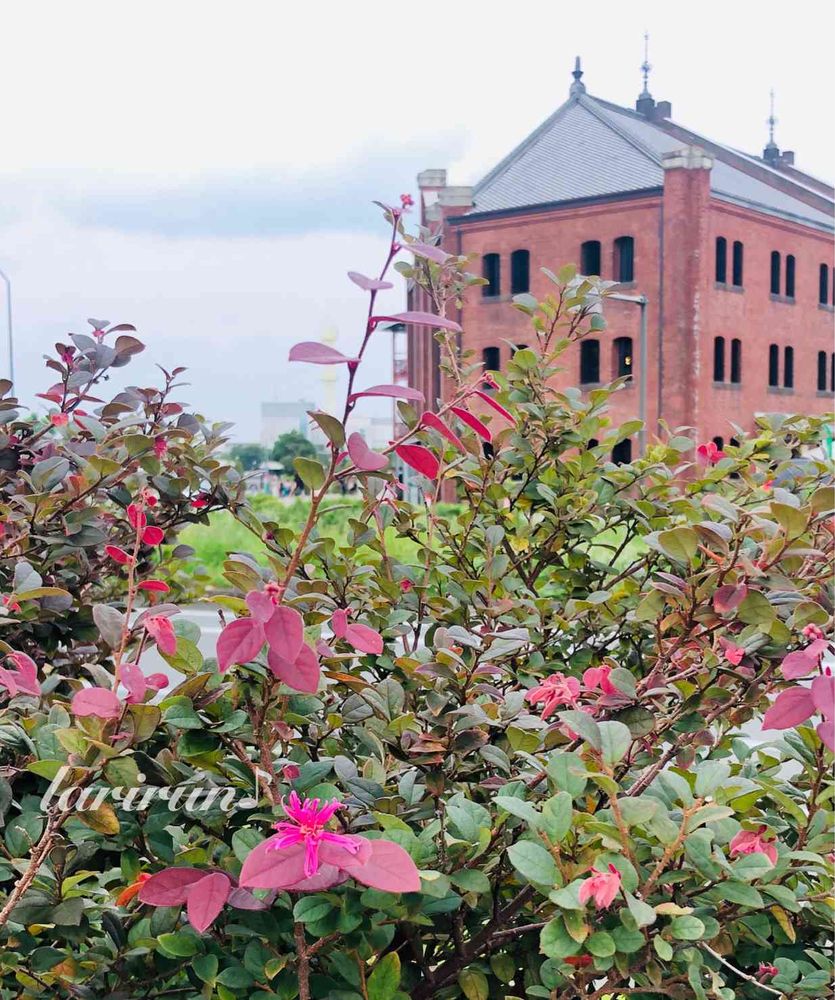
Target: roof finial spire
{"type": "Point", "coordinates": [646, 67]}
{"type": "Point", "coordinates": [771, 153]}
{"type": "Point", "coordinates": [578, 87]}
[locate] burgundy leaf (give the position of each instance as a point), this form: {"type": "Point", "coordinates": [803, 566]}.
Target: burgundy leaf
{"type": "Point", "coordinates": [268, 868]}
{"type": "Point", "coordinates": [803, 661]}
{"type": "Point", "coordinates": [302, 674]}
{"type": "Point", "coordinates": [495, 405]}
{"type": "Point", "coordinates": [792, 707]}
{"type": "Point", "coordinates": [392, 391]}
{"type": "Point", "coordinates": [426, 250]}
{"type": "Point", "coordinates": [420, 459]}
{"type": "Point", "coordinates": [429, 419]}
{"type": "Point", "coordinates": [365, 639]}
{"type": "Point", "coordinates": [242, 899]}
{"type": "Point", "coordinates": [362, 456]}
{"type": "Point", "coordinates": [170, 887]}
{"type": "Point", "coordinates": [315, 353]}
{"type": "Point", "coordinates": [285, 632]}
{"type": "Point", "coordinates": [389, 868]}
{"type": "Point", "coordinates": [421, 319]}
{"type": "Point", "coordinates": [473, 422]}
{"type": "Point", "coordinates": [823, 695]}
{"type": "Point", "coordinates": [339, 623]}
{"type": "Point", "coordinates": [205, 900]}
{"type": "Point", "coordinates": [96, 701]}
{"type": "Point", "coordinates": [728, 598]}
{"type": "Point", "coordinates": [239, 642]}
{"type": "Point", "coordinates": [368, 284]}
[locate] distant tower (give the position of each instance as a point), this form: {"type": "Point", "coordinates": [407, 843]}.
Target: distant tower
{"type": "Point", "coordinates": [645, 104]}
{"type": "Point", "coordinates": [328, 375]}
{"type": "Point", "coordinates": [578, 87]}
{"type": "Point", "coordinates": [771, 153]}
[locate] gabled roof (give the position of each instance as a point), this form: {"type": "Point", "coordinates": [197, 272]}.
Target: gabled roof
{"type": "Point", "coordinates": [590, 148]}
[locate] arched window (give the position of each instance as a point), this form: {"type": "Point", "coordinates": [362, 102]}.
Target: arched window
{"type": "Point", "coordinates": [622, 452]}
{"type": "Point", "coordinates": [823, 285]}
{"type": "Point", "coordinates": [775, 272]}
{"type": "Point", "coordinates": [491, 270]}
{"type": "Point", "coordinates": [773, 365]}
{"type": "Point", "coordinates": [736, 361]}
{"type": "Point", "coordinates": [788, 367]}
{"type": "Point", "coordinates": [589, 361]}
{"type": "Point", "coordinates": [718, 359]}
{"type": "Point", "coordinates": [736, 273]}
{"type": "Point", "coordinates": [492, 359]}
{"type": "Point", "coordinates": [721, 259]}
{"type": "Point", "coordinates": [821, 371]}
{"type": "Point", "coordinates": [790, 277]}
{"type": "Point", "coordinates": [622, 357]}
{"type": "Point", "coordinates": [520, 264]}
{"type": "Point", "coordinates": [590, 257]}
{"type": "Point", "coordinates": [624, 259]}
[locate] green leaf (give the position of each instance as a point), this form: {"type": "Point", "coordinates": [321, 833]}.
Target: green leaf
{"type": "Point", "coordinates": [312, 908]}
{"type": "Point", "coordinates": [584, 726]}
{"type": "Point", "coordinates": [710, 774]}
{"type": "Point", "coordinates": [533, 862]}
{"type": "Point", "coordinates": [638, 811]}
{"type": "Point", "coordinates": [568, 772]}
{"type": "Point", "coordinates": [518, 807]}
{"type": "Point", "coordinates": [615, 740]}
{"type": "Point", "coordinates": [384, 981]}
{"type": "Point", "coordinates": [687, 928]}
{"type": "Point", "coordinates": [470, 880]}
{"type": "Point", "coordinates": [474, 984]}
{"type": "Point", "coordinates": [178, 945]}
{"type": "Point", "coordinates": [643, 913]}
{"type": "Point", "coordinates": [601, 944]}
{"type": "Point", "coordinates": [311, 473]}
{"type": "Point", "coordinates": [331, 427]}
{"type": "Point", "coordinates": [681, 544]}
{"type": "Point", "coordinates": [205, 967]}
{"type": "Point", "coordinates": [557, 814]}
{"type": "Point", "coordinates": [556, 942]}
{"type": "Point", "coordinates": [663, 948]}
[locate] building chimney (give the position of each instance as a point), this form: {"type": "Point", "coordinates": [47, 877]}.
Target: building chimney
{"type": "Point", "coordinates": [787, 158]}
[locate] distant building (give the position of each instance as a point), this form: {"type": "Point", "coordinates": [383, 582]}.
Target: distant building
{"type": "Point", "coordinates": [733, 252]}
{"type": "Point", "coordinates": [280, 418]}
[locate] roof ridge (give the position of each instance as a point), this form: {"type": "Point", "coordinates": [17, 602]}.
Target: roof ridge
{"type": "Point", "coordinates": [518, 150]}
{"type": "Point", "coordinates": [591, 104]}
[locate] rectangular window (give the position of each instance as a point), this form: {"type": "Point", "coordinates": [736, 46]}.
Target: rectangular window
{"type": "Point", "coordinates": [737, 265]}
{"type": "Point", "coordinates": [788, 368]}
{"type": "Point", "coordinates": [821, 371]}
{"type": "Point", "coordinates": [492, 359]}
{"type": "Point", "coordinates": [736, 361]}
{"type": "Point", "coordinates": [520, 272]}
{"type": "Point", "coordinates": [623, 357]}
{"type": "Point", "coordinates": [491, 270]}
{"type": "Point", "coordinates": [775, 272]}
{"type": "Point", "coordinates": [789, 277]}
{"type": "Point", "coordinates": [590, 257]}
{"type": "Point", "coordinates": [721, 260]}
{"type": "Point", "coordinates": [774, 365]}
{"type": "Point", "coordinates": [624, 258]}
{"type": "Point", "coordinates": [718, 359]}
{"type": "Point", "coordinates": [589, 361]}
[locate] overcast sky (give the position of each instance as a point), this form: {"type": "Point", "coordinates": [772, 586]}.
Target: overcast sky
{"type": "Point", "coordinates": [204, 169]}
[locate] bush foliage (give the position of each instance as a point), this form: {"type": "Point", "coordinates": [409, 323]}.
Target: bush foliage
{"type": "Point", "coordinates": [577, 744]}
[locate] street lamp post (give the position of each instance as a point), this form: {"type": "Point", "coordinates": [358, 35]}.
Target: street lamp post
{"type": "Point", "coordinates": [8, 283]}
{"type": "Point", "coordinates": [642, 301]}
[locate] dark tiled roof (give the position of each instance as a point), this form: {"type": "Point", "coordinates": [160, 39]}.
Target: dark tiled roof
{"type": "Point", "coordinates": [590, 148]}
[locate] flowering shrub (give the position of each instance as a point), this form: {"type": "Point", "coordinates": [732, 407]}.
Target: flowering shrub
{"type": "Point", "coordinates": [579, 745]}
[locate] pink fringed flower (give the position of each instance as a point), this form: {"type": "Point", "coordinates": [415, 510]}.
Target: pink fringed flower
{"type": "Point", "coordinates": [307, 825]}
{"type": "Point", "coordinates": [554, 691]}
{"type": "Point", "coordinates": [766, 972]}
{"type": "Point", "coordinates": [753, 842]}
{"type": "Point", "coordinates": [601, 887]}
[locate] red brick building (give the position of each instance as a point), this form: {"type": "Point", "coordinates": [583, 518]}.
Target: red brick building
{"type": "Point", "coordinates": [733, 254]}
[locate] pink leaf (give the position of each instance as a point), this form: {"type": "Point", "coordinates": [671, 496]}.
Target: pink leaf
{"type": "Point", "coordinates": [134, 680]}
{"type": "Point", "coordinates": [792, 707]}
{"type": "Point", "coordinates": [242, 899]}
{"type": "Point", "coordinates": [473, 422]}
{"type": "Point", "coordinates": [420, 459]}
{"type": "Point", "coordinates": [325, 878]}
{"type": "Point", "coordinates": [118, 555]}
{"type": "Point", "coordinates": [365, 639]}
{"type": "Point", "coordinates": [160, 628]}
{"type": "Point", "coordinates": [421, 319]}
{"type": "Point", "coordinates": [495, 405]}
{"type": "Point", "coordinates": [260, 605]}
{"type": "Point", "coordinates": [285, 632]}
{"type": "Point", "coordinates": [362, 456]}
{"type": "Point", "coordinates": [368, 284]}
{"type": "Point", "coordinates": [96, 701]}
{"type": "Point", "coordinates": [27, 668]}
{"type": "Point", "coordinates": [205, 900]}
{"type": "Point", "coordinates": [315, 353]}
{"type": "Point", "coordinates": [302, 674]}
{"type": "Point", "coordinates": [826, 731]}
{"type": "Point", "coordinates": [729, 598]}
{"type": "Point", "coordinates": [823, 695]}
{"type": "Point", "coordinates": [153, 535]}
{"type": "Point", "coordinates": [157, 681]}
{"type": "Point", "coordinates": [268, 868]}
{"type": "Point", "coordinates": [392, 391]}
{"type": "Point", "coordinates": [170, 887]}
{"type": "Point", "coordinates": [239, 642]}
{"type": "Point", "coordinates": [803, 661]}
{"type": "Point", "coordinates": [426, 250]}
{"type": "Point", "coordinates": [339, 623]}
{"type": "Point", "coordinates": [429, 419]}
{"type": "Point", "coordinates": [158, 586]}
{"type": "Point", "coordinates": [389, 868]}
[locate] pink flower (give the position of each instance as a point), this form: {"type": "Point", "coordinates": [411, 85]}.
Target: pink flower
{"type": "Point", "coordinates": [407, 201]}
{"type": "Point", "coordinates": [59, 419]}
{"type": "Point", "coordinates": [10, 604]}
{"type": "Point", "coordinates": [304, 856]}
{"type": "Point", "coordinates": [732, 653]}
{"type": "Point", "coordinates": [598, 677]}
{"type": "Point", "coordinates": [405, 586]}
{"type": "Point", "coordinates": [602, 887]}
{"type": "Point", "coordinates": [710, 453]}
{"type": "Point", "coordinates": [766, 972]}
{"type": "Point", "coordinates": [813, 632]}
{"type": "Point", "coordinates": [160, 447]}
{"type": "Point", "coordinates": [753, 842]}
{"type": "Point", "coordinates": [554, 691]}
